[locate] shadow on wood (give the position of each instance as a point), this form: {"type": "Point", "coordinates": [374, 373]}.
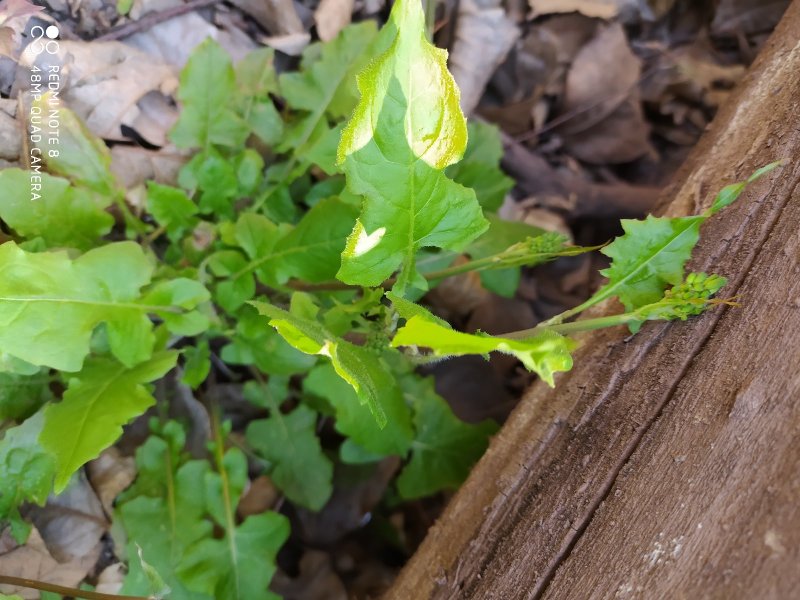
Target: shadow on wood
{"type": "Point", "coordinates": [666, 465]}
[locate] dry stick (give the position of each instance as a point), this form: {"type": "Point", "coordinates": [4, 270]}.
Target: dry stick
{"type": "Point", "coordinates": [153, 19]}
{"type": "Point", "coordinates": [63, 590]}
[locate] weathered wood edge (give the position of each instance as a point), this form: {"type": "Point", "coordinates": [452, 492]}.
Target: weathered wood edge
{"type": "Point", "coordinates": [533, 494]}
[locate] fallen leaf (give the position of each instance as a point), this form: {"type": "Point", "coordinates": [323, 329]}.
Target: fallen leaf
{"type": "Point", "coordinates": [134, 166]}
{"type": "Point", "coordinates": [110, 474]}
{"type": "Point", "coordinates": [111, 578]}
{"type": "Point", "coordinates": [260, 496]}
{"type": "Point", "coordinates": [104, 82]}
{"type": "Point", "coordinates": [601, 9]}
{"type": "Point", "coordinates": [331, 17]}
{"type": "Point", "coordinates": [317, 580]}
{"type": "Point", "coordinates": [72, 523]}
{"type": "Point", "coordinates": [358, 490]}
{"type": "Point", "coordinates": [482, 40]}
{"type": "Point", "coordinates": [12, 9]}
{"type": "Point", "coordinates": [140, 8]}
{"type": "Point", "coordinates": [292, 44]}
{"type": "Point", "coordinates": [34, 561]}
{"type": "Point", "coordinates": [606, 123]}
{"type": "Point", "coordinates": [191, 29]}
{"type": "Point", "coordinates": [278, 17]}
{"type": "Point", "coordinates": [747, 16]}
{"type": "Point", "coordinates": [10, 131]}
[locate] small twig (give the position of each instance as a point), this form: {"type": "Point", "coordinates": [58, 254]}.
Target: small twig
{"type": "Point", "coordinates": [153, 19]}
{"type": "Point", "coordinates": [63, 590]}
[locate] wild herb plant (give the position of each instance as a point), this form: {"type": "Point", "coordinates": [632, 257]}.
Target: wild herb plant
{"type": "Point", "coordinates": [316, 210]}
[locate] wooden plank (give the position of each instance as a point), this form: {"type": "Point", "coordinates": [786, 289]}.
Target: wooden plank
{"type": "Point", "coordinates": [597, 488]}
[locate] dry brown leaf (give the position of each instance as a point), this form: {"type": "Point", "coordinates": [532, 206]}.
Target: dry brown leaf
{"type": "Point", "coordinates": [191, 29]}
{"type": "Point", "coordinates": [34, 561]}
{"type": "Point", "coordinates": [278, 17]}
{"type": "Point", "coordinates": [482, 40]}
{"type": "Point", "coordinates": [134, 166]}
{"type": "Point", "coordinates": [110, 474]}
{"type": "Point", "coordinates": [331, 17]}
{"type": "Point", "coordinates": [357, 491]}
{"type": "Point", "coordinates": [317, 580]}
{"type": "Point", "coordinates": [73, 522]}
{"type": "Point", "coordinates": [601, 9]}
{"type": "Point", "coordinates": [10, 131]}
{"type": "Point", "coordinates": [605, 123]}
{"type": "Point", "coordinates": [603, 74]}
{"type": "Point", "coordinates": [260, 496]}
{"type": "Point", "coordinates": [104, 82]}
{"type": "Point", "coordinates": [292, 44]}
{"type": "Point", "coordinates": [111, 579]}
{"type": "Point", "coordinates": [621, 137]}
{"type": "Point", "coordinates": [12, 9]}
{"type": "Point", "coordinates": [747, 16]}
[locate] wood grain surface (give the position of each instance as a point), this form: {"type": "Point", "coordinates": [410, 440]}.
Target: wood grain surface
{"type": "Point", "coordinates": [667, 464]}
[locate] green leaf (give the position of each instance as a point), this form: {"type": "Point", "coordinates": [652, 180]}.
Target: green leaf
{"type": "Point", "coordinates": [356, 365]}
{"type": "Point", "coordinates": [256, 80]}
{"type": "Point", "coordinates": [158, 587]}
{"type": "Point", "coordinates": [406, 128]}
{"type": "Point", "coordinates": [63, 216]}
{"type": "Point", "coordinates": [49, 304]}
{"type": "Point", "coordinates": [355, 421]}
{"type": "Point", "coordinates": [444, 449]}
{"type": "Point", "coordinates": [254, 344]}
{"type": "Point", "coordinates": [80, 156]}
{"type": "Point", "coordinates": [99, 400]}
{"type": "Point", "coordinates": [26, 471]}
{"type": "Point", "coordinates": [311, 251]}
{"type": "Point", "coordinates": [183, 293]}
{"type": "Point", "coordinates": [651, 255]}
{"type": "Point", "coordinates": [544, 354]}
{"type": "Point", "coordinates": [300, 468]}
{"type": "Point", "coordinates": [498, 237]}
{"type": "Point", "coordinates": [240, 566]}
{"type": "Point", "coordinates": [480, 167]}
{"type": "Point", "coordinates": [171, 208]}
{"type": "Point", "coordinates": [23, 395]}
{"type": "Point", "coordinates": [730, 193]}
{"type": "Point", "coordinates": [164, 512]}
{"type": "Point", "coordinates": [216, 180]}
{"type": "Point", "coordinates": [208, 85]}
{"type": "Point", "coordinates": [197, 364]}
{"type": "Point", "coordinates": [239, 285]}
{"type": "Point", "coordinates": [325, 86]}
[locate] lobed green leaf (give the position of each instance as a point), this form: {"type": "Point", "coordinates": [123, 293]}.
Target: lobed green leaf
{"type": "Point", "coordinates": [406, 128]}
{"type": "Point", "coordinates": [100, 399]}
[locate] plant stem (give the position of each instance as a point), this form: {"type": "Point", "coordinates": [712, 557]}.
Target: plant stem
{"type": "Point", "coordinates": [575, 326]}
{"type": "Point", "coordinates": [481, 264]}
{"type": "Point", "coordinates": [230, 520]}
{"type": "Point", "coordinates": [561, 317]}
{"type": "Point", "coordinates": [63, 590]}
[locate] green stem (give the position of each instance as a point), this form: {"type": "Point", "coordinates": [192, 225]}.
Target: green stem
{"type": "Point", "coordinates": [575, 326]}
{"type": "Point", "coordinates": [481, 264]}
{"type": "Point", "coordinates": [230, 521]}
{"type": "Point", "coordinates": [561, 317]}
{"type": "Point", "coordinates": [63, 590]}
